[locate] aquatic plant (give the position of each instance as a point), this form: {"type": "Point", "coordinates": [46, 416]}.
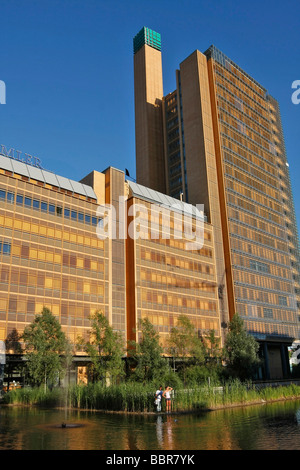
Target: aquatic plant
{"type": "Point", "coordinates": [138, 397]}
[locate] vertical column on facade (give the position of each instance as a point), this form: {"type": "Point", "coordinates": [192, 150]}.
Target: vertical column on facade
{"type": "Point", "coordinates": [267, 363]}
{"type": "Point", "coordinates": [130, 279]}
{"type": "Point", "coordinates": [148, 86]}
{"type": "Point", "coordinates": [221, 192]}
{"type": "Point", "coordinates": [284, 360]}
{"type": "Point", "coordinates": [115, 194]}
{"type": "Point", "coordinates": [201, 165]}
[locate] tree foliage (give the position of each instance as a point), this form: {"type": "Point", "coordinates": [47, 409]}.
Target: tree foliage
{"type": "Point", "coordinates": [45, 347]}
{"type": "Point", "coordinates": [185, 344]}
{"type": "Point", "coordinates": [183, 341]}
{"type": "Point", "coordinates": [240, 350]}
{"type": "Point", "coordinates": [105, 349]}
{"type": "Point", "coordinates": [213, 350]}
{"type": "Point", "coordinates": [147, 354]}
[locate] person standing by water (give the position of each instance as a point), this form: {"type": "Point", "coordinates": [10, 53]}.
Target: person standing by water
{"type": "Point", "coordinates": [158, 397]}
{"type": "Point", "coordinates": [167, 396]}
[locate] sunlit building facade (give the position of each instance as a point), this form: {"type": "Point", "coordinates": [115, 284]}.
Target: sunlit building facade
{"type": "Point", "coordinates": [102, 244]}
{"type": "Point", "coordinates": [50, 254]}
{"type": "Point", "coordinates": [224, 148]}
{"type": "Point", "coordinates": [171, 270]}
{"type": "Point", "coordinates": [208, 230]}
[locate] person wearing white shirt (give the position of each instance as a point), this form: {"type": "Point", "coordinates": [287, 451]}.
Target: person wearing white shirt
{"type": "Point", "coordinates": [158, 396]}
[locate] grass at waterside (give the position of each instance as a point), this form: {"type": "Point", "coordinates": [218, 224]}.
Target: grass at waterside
{"type": "Point", "coordinates": [135, 397]}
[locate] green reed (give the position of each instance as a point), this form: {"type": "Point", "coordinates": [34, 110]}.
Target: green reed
{"type": "Point", "coordinates": [34, 396]}
{"type": "Point", "coordinates": [137, 397]}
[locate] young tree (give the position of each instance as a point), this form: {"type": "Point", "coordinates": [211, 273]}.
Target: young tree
{"type": "Point", "coordinates": [148, 354]}
{"type": "Point", "coordinates": [240, 350]}
{"type": "Point", "coordinates": [185, 344]}
{"type": "Point", "coordinates": [213, 351]}
{"type": "Point", "coordinates": [105, 348]}
{"type": "Point", "coordinates": [45, 346]}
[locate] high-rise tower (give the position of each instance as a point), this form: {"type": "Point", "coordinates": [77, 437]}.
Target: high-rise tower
{"type": "Point", "coordinates": [250, 156]}
{"type": "Point", "coordinates": [148, 80]}
{"type": "Point", "coordinates": [224, 148]}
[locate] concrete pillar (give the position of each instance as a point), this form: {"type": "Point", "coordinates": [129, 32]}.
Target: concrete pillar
{"type": "Point", "coordinates": [266, 358]}
{"type": "Point", "coordinates": [284, 360]}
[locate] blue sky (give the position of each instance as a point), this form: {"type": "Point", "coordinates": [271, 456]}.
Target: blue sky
{"type": "Point", "coordinates": [68, 69]}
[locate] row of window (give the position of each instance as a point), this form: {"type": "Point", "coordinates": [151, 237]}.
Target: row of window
{"type": "Point", "coordinates": [167, 300]}
{"type": "Point", "coordinates": [238, 77]}
{"type": "Point", "coordinates": [247, 97]}
{"type": "Point", "coordinates": [264, 173]}
{"type": "Point", "coordinates": [235, 107]}
{"type": "Point", "coordinates": [258, 282]}
{"type": "Point", "coordinates": [180, 262]}
{"type": "Point", "coordinates": [259, 198]}
{"type": "Point", "coordinates": [24, 305]}
{"type": "Point", "coordinates": [164, 281]}
{"type": "Point", "coordinates": [268, 313]}
{"type": "Point", "coordinates": [38, 254]}
{"type": "Point", "coordinates": [169, 320]}
{"type": "Point", "coordinates": [267, 328]}
{"type": "Point", "coordinates": [47, 207]}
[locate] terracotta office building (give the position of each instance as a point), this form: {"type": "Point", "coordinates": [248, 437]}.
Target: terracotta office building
{"type": "Point", "coordinates": [170, 270]}
{"type": "Point", "coordinates": [223, 147]}
{"type": "Point", "coordinates": [50, 254]}
{"type": "Point", "coordinates": [105, 244]}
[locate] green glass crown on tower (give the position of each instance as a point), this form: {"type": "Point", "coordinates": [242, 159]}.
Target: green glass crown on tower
{"type": "Point", "coordinates": [146, 36]}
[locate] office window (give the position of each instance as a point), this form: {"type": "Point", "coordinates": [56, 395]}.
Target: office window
{"type": "Point", "coordinates": [258, 266]}
{"type": "Point", "coordinates": [67, 213]}
{"type": "Point", "coordinates": [87, 219]}
{"type": "Point", "coordinates": [2, 194]}
{"type": "Point", "coordinates": [20, 199]}
{"type": "Point", "coordinates": [10, 197]}
{"type": "Point", "coordinates": [44, 206]}
{"type": "Point", "coordinates": [80, 217]}
{"type": "Point", "coordinates": [74, 215]}
{"type": "Point", "coordinates": [5, 248]}
{"type": "Point", "coordinates": [36, 204]}
{"type": "Point", "coordinates": [282, 300]}
{"type": "Point", "coordinates": [28, 202]}
{"type": "Point", "coordinates": [268, 312]}
{"type": "Point", "coordinates": [51, 209]}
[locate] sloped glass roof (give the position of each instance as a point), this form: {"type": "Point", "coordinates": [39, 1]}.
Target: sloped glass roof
{"type": "Point", "coordinates": [163, 200]}
{"type": "Point", "coordinates": [45, 176]}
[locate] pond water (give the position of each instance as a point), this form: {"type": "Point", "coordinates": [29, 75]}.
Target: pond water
{"type": "Point", "coordinates": [273, 426]}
